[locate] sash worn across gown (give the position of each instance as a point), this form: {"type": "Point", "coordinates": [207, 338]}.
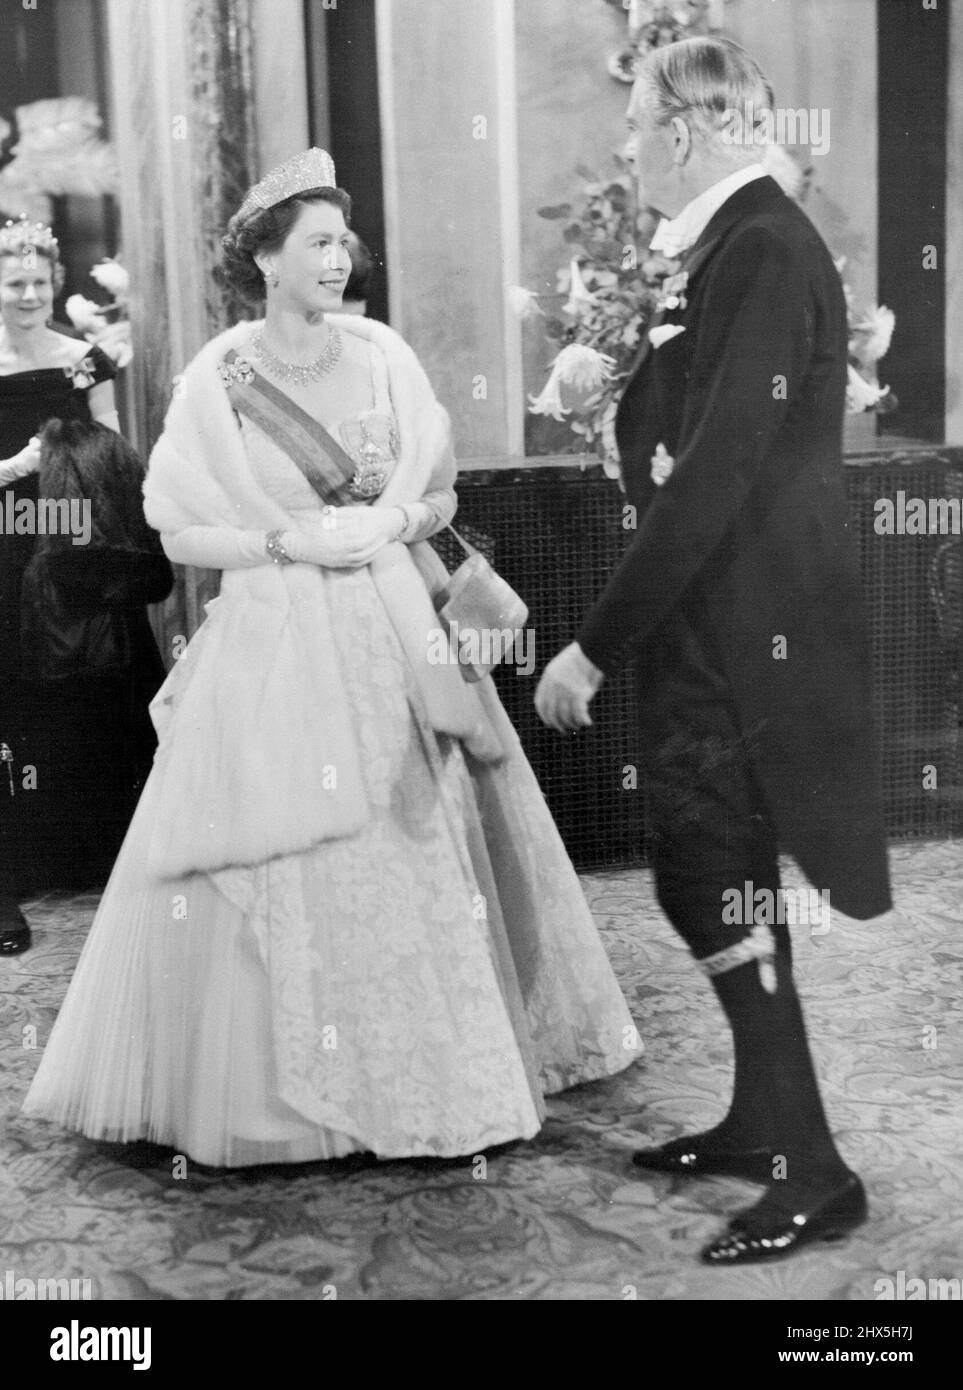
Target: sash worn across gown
{"type": "Point", "coordinates": [415, 987]}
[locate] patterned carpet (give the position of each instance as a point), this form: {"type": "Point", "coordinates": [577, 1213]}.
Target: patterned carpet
{"type": "Point", "coordinates": [562, 1217]}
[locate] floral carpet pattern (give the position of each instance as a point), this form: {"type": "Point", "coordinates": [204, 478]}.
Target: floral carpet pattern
{"type": "Point", "coordinates": [565, 1216]}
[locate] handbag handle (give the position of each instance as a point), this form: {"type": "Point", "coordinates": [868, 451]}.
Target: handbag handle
{"type": "Point", "coordinates": [442, 596]}
{"type": "Point", "coordinates": [465, 545]}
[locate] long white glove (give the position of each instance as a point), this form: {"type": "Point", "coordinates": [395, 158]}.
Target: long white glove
{"type": "Point", "coordinates": [346, 544]}
{"type": "Point", "coordinates": [216, 547]}
{"type": "Point", "coordinates": [429, 516]}
{"type": "Point", "coordinates": [21, 465]}
{"type": "Point", "coordinates": [343, 537]}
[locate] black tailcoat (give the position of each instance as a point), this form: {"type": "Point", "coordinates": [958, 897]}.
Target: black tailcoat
{"type": "Point", "coordinates": [749, 535]}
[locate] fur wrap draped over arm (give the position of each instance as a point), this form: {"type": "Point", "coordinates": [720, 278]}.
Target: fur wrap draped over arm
{"type": "Point", "coordinates": [258, 749]}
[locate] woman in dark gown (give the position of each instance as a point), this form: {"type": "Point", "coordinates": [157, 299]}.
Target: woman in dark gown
{"type": "Point", "coordinates": [74, 751]}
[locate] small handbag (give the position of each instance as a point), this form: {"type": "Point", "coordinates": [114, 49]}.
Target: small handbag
{"type": "Point", "coordinates": [483, 612]}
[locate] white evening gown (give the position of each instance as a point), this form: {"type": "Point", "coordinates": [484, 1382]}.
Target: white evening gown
{"type": "Point", "coordinates": [415, 989]}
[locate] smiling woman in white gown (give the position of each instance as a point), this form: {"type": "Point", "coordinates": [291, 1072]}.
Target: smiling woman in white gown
{"type": "Point", "coordinates": [342, 919]}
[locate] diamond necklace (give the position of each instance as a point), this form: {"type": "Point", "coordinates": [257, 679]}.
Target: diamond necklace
{"type": "Point", "coordinates": [297, 373]}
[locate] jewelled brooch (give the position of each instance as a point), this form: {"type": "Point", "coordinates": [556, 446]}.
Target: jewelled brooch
{"type": "Point", "coordinates": [376, 449]}
{"type": "Point", "coordinates": [240, 370]}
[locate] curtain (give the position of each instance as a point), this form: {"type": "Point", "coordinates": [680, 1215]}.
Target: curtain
{"type": "Point", "coordinates": [184, 127]}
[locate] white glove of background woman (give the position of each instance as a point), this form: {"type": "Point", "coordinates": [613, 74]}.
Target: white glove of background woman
{"type": "Point", "coordinates": [22, 464]}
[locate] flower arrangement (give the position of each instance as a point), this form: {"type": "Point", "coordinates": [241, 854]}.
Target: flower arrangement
{"type": "Point", "coordinates": [608, 298]}
{"type": "Point", "coordinates": [655, 23]}
{"type": "Point", "coordinates": [58, 151]}
{"type": "Point", "coordinates": [610, 294]}
{"type": "Point", "coordinates": [870, 335]}
{"type": "Point", "coordinates": [106, 325]}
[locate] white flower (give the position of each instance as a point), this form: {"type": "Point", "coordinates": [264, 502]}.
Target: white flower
{"type": "Point", "coordinates": [86, 173]}
{"type": "Point", "coordinates": [59, 150]}
{"type": "Point", "coordinates": [873, 334]}
{"type": "Point", "coordinates": [84, 314]}
{"type": "Point", "coordinates": [582, 367]}
{"type": "Point", "coordinates": [521, 302]}
{"type": "Point", "coordinates": [58, 121]}
{"type": "Point", "coordinates": [549, 400]}
{"type": "Point", "coordinates": [662, 465]}
{"type": "Point", "coordinates": [579, 298]}
{"type": "Point", "coordinates": [114, 339]}
{"type": "Point", "coordinates": [862, 394]}
{"type": "Point", "coordinates": [17, 190]}
{"type": "Point", "coordinates": [112, 276]}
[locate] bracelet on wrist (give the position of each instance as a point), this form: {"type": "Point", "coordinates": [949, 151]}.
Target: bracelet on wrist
{"type": "Point", "coordinates": [275, 549]}
{"type": "Point", "coordinates": [406, 524]}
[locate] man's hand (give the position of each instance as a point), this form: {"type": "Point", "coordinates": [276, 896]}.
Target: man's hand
{"type": "Point", "coordinates": [568, 683]}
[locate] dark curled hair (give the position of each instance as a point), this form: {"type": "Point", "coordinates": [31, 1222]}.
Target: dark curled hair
{"type": "Point", "coordinates": [362, 264]}
{"type": "Point", "coordinates": [267, 231]}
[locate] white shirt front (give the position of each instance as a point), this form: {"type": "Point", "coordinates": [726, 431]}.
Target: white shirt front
{"type": "Point", "coordinates": [675, 235]}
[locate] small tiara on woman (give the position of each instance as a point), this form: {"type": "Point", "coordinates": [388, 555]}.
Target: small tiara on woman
{"type": "Point", "coordinates": [312, 168]}
{"type": "Point", "coordinates": [16, 236]}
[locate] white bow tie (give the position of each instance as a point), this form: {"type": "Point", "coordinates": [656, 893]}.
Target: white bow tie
{"type": "Point", "coordinates": [670, 239]}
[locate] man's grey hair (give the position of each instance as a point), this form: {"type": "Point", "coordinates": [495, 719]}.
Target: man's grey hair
{"type": "Point", "coordinates": [704, 81]}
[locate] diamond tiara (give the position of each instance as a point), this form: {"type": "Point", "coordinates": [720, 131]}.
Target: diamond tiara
{"type": "Point", "coordinates": [15, 237]}
{"type": "Point", "coordinates": [312, 168]}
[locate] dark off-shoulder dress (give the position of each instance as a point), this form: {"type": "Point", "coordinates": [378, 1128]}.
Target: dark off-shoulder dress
{"type": "Point", "coordinates": [89, 737]}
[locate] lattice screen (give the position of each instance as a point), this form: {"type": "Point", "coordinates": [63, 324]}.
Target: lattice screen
{"type": "Point", "coordinates": [555, 536]}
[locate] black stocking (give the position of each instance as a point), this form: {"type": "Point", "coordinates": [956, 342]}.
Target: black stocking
{"type": "Point", "coordinates": [776, 1102]}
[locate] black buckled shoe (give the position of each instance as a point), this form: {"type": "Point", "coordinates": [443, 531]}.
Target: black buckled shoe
{"type": "Point", "coordinates": [693, 1156]}
{"type": "Point", "coordinates": [14, 932]}
{"type": "Point", "coordinates": [772, 1236]}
